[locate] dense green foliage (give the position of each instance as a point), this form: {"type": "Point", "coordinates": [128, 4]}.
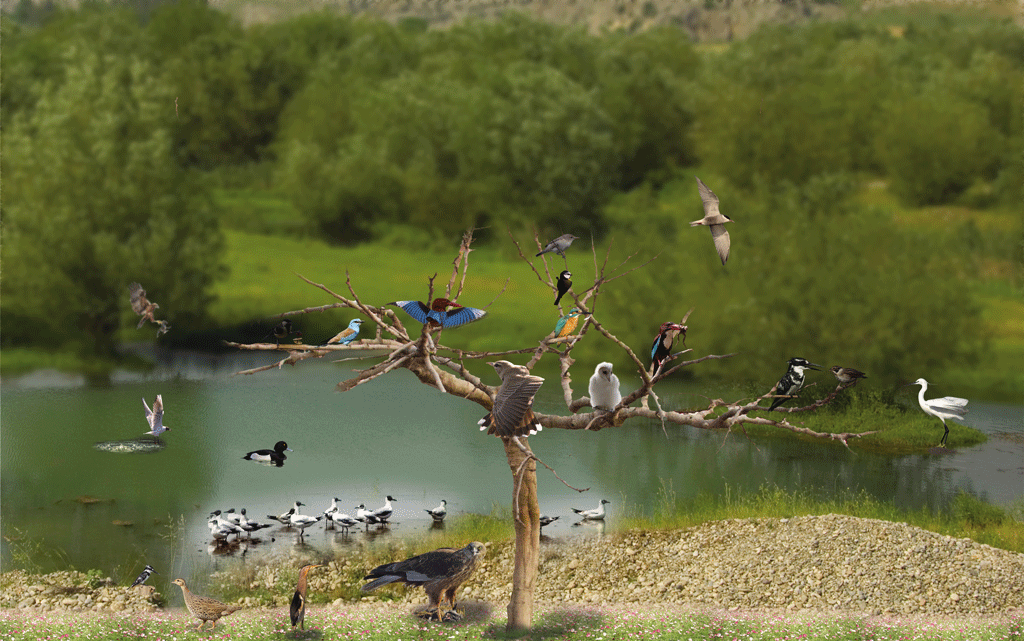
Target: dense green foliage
{"type": "Point", "coordinates": [358, 130]}
{"type": "Point", "coordinates": [93, 199]}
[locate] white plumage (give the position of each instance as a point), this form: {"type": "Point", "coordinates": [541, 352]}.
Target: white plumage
{"type": "Point", "coordinates": [941, 408]}
{"type": "Point", "coordinates": [604, 388]}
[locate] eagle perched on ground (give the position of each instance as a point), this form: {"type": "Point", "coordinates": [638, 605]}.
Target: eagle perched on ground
{"type": "Point", "coordinates": [440, 572]}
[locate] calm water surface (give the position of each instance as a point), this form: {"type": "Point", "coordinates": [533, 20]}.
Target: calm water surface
{"type": "Point", "coordinates": [391, 436]}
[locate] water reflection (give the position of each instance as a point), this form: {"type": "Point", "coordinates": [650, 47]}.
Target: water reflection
{"type": "Point", "coordinates": [392, 437]}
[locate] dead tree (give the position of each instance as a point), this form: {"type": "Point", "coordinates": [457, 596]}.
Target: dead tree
{"type": "Point", "coordinates": [444, 368]}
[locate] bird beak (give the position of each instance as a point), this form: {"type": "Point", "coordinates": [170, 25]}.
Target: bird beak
{"type": "Point", "coordinates": [813, 366]}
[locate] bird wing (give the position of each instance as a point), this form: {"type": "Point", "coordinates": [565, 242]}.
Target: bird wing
{"type": "Point", "coordinates": [559, 325]}
{"type": "Point", "coordinates": [949, 404]}
{"type": "Point", "coordinates": [414, 308]}
{"type": "Point", "coordinates": [157, 419]}
{"type": "Point", "coordinates": [721, 238]}
{"type": "Point", "coordinates": [149, 413]}
{"type": "Point", "coordinates": [514, 398]}
{"type": "Point", "coordinates": [707, 197]}
{"type": "Point", "coordinates": [138, 298]}
{"type": "Point", "coordinates": [654, 347]}
{"type": "Point", "coordinates": [343, 334]}
{"type": "Point", "coordinates": [296, 607]}
{"type": "Point", "coordinates": [459, 316]}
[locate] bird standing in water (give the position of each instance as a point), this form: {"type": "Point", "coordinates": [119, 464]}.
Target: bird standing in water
{"type": "Point", "coordinates": [298, 607]}
{"type": "Point", "coordinates": [512, 414]}
{"type": "Point", "coordinates": [558, 245]}
{"type": "Point", "coordinates": [714, 220]}
{"type": "Point", "coordinates": [847, 374]}
{"type": "Point", "coordinates": [567, 324]}
{"type": "Point", "coordinates": [347, 335]}
{"type": "Point", "coordinates": [941, 408]}
{"type": "Point", "coordinates": [564, 284]}
{"type": "Point", "coordinates": [663, 343]}
{"type": "Point", "coordinates": [438, 313]}
{"type": "Point", "coordinates": [203, 607]}
{"type": "Point", "coordinates": [792, 381]}
{"type": "Point", "coordinates": [439, 512]}
{"type": "Point", "coordinates": [597, 514]}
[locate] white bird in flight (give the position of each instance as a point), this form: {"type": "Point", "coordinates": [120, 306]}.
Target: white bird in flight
{"type": "Point", "coordinates": [155, 416]}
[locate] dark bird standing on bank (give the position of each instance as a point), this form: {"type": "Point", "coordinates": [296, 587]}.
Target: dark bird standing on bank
{"type": "Point", "coordinates": [438, 313]}
{"type": "Point", "coordinates": [142, 578]}
{"type": "Point", "coordinates": [663, 343]}
{"type": "Point", "coordinates": [144, 308]}
{"type": "Point", "coordinates": [298, 607]}
{"type": "Point", "coordinates": [847, 374]}
{"type": "Point", "coordinates": [564, 284]}
{"type": "Point", "coordinates": [792, 380]}
{"type": "Point", "coordinates": [204, 608]}
{"type": "Point", "coordinates": [558, 245]}
{"type": "Point", "coordinates": [714, 220]}
{"type": "Point", "coordinates": [512, 414]}
{"type": "Point", "coordinates": [440, 572]}
{"type": "Point", "coordinates": [547, 520]}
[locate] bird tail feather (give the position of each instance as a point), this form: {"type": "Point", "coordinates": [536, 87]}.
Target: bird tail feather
{"type": "Point", "coordinates": [384, 580]}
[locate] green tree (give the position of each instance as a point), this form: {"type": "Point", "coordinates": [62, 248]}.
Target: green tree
{"type": "Point", "coordinates": [94, 200]}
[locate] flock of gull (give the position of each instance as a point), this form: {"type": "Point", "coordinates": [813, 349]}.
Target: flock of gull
{"type": "Point", "coordinates": [441, 571]}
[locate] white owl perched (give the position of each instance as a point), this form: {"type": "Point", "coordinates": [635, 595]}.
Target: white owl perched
{"type": "Point", "coordinates": [604, 388]}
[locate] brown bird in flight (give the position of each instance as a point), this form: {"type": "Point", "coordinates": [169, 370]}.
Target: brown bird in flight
{"type": "Point", "coordinates": [713, 219]}
{"type": "Point", "coordinates": [204, 608]}
{"type": "Point", "coordinates": [298, 607]}
{"type": "Point", "coordinates": [145, 309]}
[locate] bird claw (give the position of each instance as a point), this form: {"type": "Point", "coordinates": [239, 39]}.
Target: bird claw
{"type": "Point", "coordinates": [451, 616]}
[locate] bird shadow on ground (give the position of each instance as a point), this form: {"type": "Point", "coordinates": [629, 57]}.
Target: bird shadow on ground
{"type": "Point", "coordinates": [472, 612]}
{"type": "Point", "coordinates": [552, 625]}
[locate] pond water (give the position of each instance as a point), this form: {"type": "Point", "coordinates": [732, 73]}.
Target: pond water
{"type": "Point", "coordinates": [391, 436]}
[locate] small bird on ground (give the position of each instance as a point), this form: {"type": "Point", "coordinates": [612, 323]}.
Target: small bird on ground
{"type": "Point", "coordinates": [302, 521]}
{"type": "Point", "coordinates": [663, 342]}
{"type": "Point", "coordinates": [142, 578]}
{"type": "Point", "coordinates": [547, 520]}
{"type": "Point", "coordinates": [597, 514]}
{"type": "Point", "coordinates": [512, 414]}
{"type": "Point", "coordinates": [438, 513]}
{"type": "Point", "coordinates": [204, 608]}
{"type": "Point", "coordinates": [567, 324]}
{"type": "Point", "coordinates": [793, 380]}
{"type": "Point", "coordinates": [847, 374]}
{"type": "Point", "coordinates": [347, 335]}
{"type": "Point", "coordinates": [144, 308]}
{"type": "Point", "coordinates": [714, 220]}
{"type": "Point", "coordinates": [604, 388]}
{"type": "Point", "coordinates": [440, 572]}
{"type": "Point", "coordinates": [558, 245]}
{"type": "Point", "coordinates": [155, 417]}
{"type": "Point", "coordinates": [284, 329]}
{"type": "Point", "coordinates": [298, 607]}
{"type": "Point", "coordinates": [382, 514]}
{"type": "Point", "coordinates": [437, 313]}
{"type": "Point", "coordinates": [563, 285]}
{"type": "Point", "coordinates": [941, 408]}
{"type": "Point", "coordinates": [275, 456]}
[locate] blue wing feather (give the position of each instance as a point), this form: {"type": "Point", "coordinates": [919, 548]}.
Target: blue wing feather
{"type": "Point", "coordinates": [459, 316]}
{"type": "Point", "coordinates": [414, 308]}
{"type": "Point", "coordinates": [654, 348]}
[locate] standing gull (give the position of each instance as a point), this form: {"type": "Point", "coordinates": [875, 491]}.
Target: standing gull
{"type": "Point", "coordinates": [941, 408]}
{"type": "Point", "coordinates": [713, 219]}
{"type": "Point", "coordinates": [439, 512]}
{"type": "Point", "coordinates": [382, 514]}
{"type": "Point", "coordinates": [512, 414]}
{"type": "Point", "coordinates": [155, 417]}
{"type": "Point", "coordinates": [604, 388]}
{"type": "Point", "coordinates": [597, 514]}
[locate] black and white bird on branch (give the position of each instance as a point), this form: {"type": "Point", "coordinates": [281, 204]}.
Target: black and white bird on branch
{"type": "Point", "coordinates": [440, 572]}
{"type": "Point", "coordinates": [792, 381]}
{"type": "Point", "coordinates": [512, 414]}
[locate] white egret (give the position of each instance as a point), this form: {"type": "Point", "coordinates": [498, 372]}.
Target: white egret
{"type": "Point", "coordinates": [941, 408]}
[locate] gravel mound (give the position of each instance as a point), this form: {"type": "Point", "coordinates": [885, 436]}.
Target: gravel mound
{"type": "Point", "coordinates": [72, 591]}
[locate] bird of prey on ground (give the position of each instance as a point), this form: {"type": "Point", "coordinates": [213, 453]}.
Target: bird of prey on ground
{"type": "Point", "coordinates": [440, 572]}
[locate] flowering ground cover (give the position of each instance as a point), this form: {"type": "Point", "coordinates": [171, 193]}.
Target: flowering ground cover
{"type": "Point", "coordinates": [393, 622]}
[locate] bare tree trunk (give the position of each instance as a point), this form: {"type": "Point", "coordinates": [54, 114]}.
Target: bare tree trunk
{"type": "Point", "coordinates": [527, 522]}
